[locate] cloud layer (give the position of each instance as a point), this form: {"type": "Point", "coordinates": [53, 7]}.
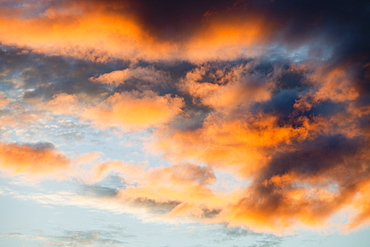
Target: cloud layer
{"type": "Point", "coordinates": [259, 109]}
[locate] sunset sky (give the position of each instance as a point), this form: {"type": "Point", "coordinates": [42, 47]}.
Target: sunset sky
{"type": "Point", "coordinates": [163, 123]}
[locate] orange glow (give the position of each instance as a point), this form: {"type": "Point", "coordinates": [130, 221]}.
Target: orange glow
{"type": "Point", "coordinates": [18, 159]}
{"type": "Point", "coordinates": [229, 38]}
{"type": "Point", "coordinates": [134, 110]}
{"type": "Point", "coordinates": [99, 35]}
{"type": "Point", "coordinates": [242, 146]}
{"type": "Point", "coordinates": [362, 207]}
{"type": "Point", "coordinates": [91, 35]}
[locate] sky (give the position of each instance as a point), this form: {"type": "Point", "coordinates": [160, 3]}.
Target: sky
{"type": "Point", "coordinates": [233, 123]}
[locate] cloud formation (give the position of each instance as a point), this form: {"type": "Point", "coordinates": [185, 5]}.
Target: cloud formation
{"type": "Point", "coordinates": [134, 110]}
{"type": "Point", "coordinates": [33, 160]}
{"type": "Point", "coordinates": [99, 31]}
{"type": "Point", "coordinates": [148, 75]}
{"type": "Point", "coordinates": [272, 93]}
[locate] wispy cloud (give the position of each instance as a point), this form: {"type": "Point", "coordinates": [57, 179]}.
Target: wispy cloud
{"type": "Point", "coordinates": [73, 238]}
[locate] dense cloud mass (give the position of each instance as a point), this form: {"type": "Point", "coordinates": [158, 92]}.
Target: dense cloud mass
{"type": "Point", "coordinates": [275, 94]}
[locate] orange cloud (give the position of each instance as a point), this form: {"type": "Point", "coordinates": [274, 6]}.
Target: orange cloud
{"type": "Point", "coordinates": [229, 38]}
{"type": "Point", "coordinates": [282, 203]}
{"type": "Point", "coordinates": [183, 185]}
{"type": "Point", "coordinates": [80, 32]}
{"type": "Point", "coordinates": [63, 104]}
{"type": "Point", "coordinates": [98, 33]}
{"type": "Point", "coordinates": [4, 102]}
{"type": "Point", "coordinates": [335, 84]}
{"type": "Point", "coordinates": [18, 115]}
{"type": "Point", "coordinates": [113, 78]}
{"type": "Point", "coordinates": [129, 110]}
{"type": "Point", "coordinates": [322, 165]}
{"type": "Point", "coordinates": [149, 75]}
{"type": "Point", "coordinates": [134, 110]}
{"type": "Point", "coordinates": [239, 146]}
{"type": "Point", "coordinates": [233, 89]}
{"type": "Point", "coordinates": [34, 160]}
{"type": "Point", "coordinates": [361, 206]}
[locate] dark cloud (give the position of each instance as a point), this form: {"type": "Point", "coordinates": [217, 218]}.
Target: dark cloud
{"type": "Point", "coordinates": [154, 207]}
{"type": "Point", "coordinates": [50, 75]}
{"type": "Point", "coordinates": [53, 75]}
{"type": "Point", "coordinates": [291, 80]}
{"type": "Point", "coordinates": [41, 145]}
{"type": "Point", "coordinates": [314, 157]}
{"type": "Point", "coordinates": [236, 232]}
{"type": "Point", "coordinates": [98, 191]}
{"type": "Point", "coordinates": [175, 20]}
{"type": "Point", "coordinates": [281, 105]}
{"type": "Point", "coordinates": [327, 108]}
{"type": "Point", "coordinates": [268, 241]}
{"type": "Point", "coordinates": [333, 161]}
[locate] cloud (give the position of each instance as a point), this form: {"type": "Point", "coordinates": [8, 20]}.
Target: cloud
{"type": "Point", "coordinates": [99, 31]}
{"type": "Point", "coordinates": [4, 102]}
{"type": "Point", "coordinates": [305, 185]}
{"type": "Point", "coordinates": [63, 104]}
{"type": "Point", "coordinates": [294, 146]}
{"type": "Point", "coordinates": [283, 129]}
{"type": "Point", "coordinates": [145, 209]}
{"type": "Point", "coordinates": [90, 238]}
{"type": "Point", "coordinates": [33, 160]}
{"type": "Point", "coordinates": [28, 237]}
{"type": "Point", "coordinates": [71, 238]}
{"type": "Point", "coordinates": [17, 115]}
{"type": "Point", "coordinates": [130, 30]}
{"type": "Point", "coordinates": [149, 75]}
{"type": "Point", "coordinates": [180, 183]}
{"type": "Point", "coordinates": [113, 78]}
{"type": "Point", "coordinates": [274, 93]}
{"type": "Point", "coordinates": [234, 131]}
{"type": "Point", "coordinates": [29, 75]}
{"type": "Point", "coordinates": [134, 110]}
